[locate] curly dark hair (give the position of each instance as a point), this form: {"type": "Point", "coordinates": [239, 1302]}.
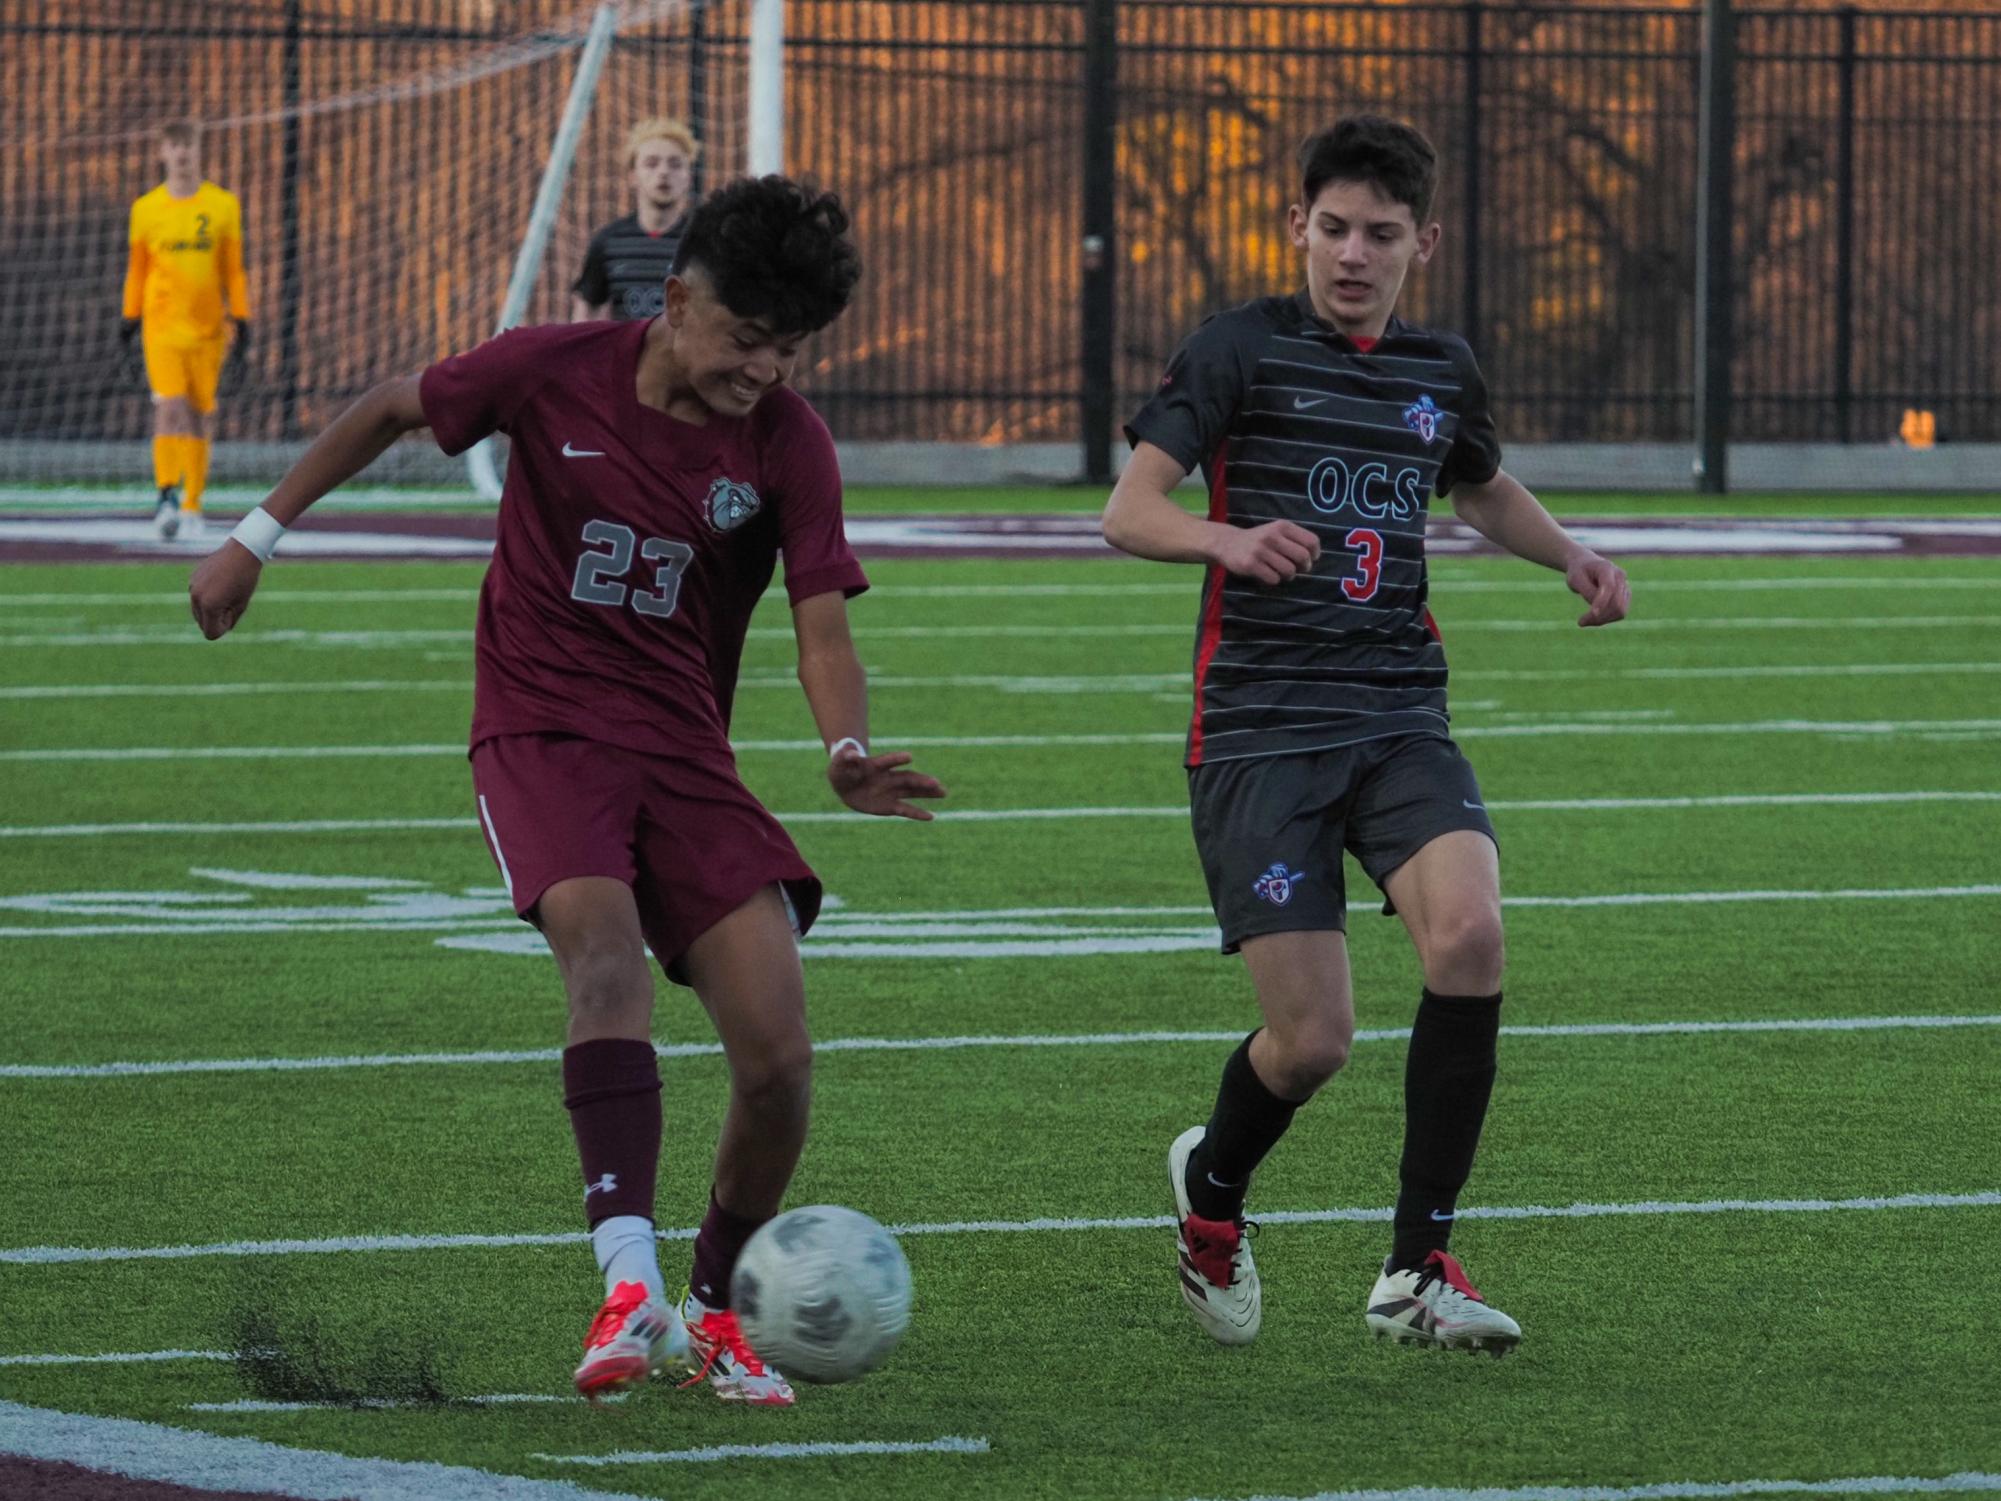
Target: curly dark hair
{"type": "Point", "coordinates": [776, 250]}
{"type": "Point", "coordinates": [1392, 155]}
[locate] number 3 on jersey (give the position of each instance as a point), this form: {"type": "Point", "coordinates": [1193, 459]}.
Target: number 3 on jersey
{"type": "Point", "coordinates": [1370, 545]}
{"type": "Point", "coordinates": [596, 571]}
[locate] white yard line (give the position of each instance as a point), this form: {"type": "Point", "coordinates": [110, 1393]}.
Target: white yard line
{"type": "Point", "coordinates": [1011, 815]}
{"type": "Point", "coordinates": [1443, 587]}
{"type": "Point", "coordinates": [235, 690]}
{"type": "Point", "coordinates": [178, 753]}
{"type": "Point", "coordinates": [178, 1456]}
{"type": "Point", "coordinates": [338, 1062]}
{"type": "Point", "coordinates": [1677, 1490]}
{"type": "Point", "coordinates": [369, 1244]}
{"type": "Point", "coordinates": [373, 1404]}
{"type": "Point", "coordinates": [948, 1445]}
{"type": "Point", "coordinates": [188, 636]}
{"type": "Point", "coordinates": [910, 935]}
{"type": "Point", "coordinates": [129, 1357]}
{"type": "Point", "coordinates": [1052, 685]}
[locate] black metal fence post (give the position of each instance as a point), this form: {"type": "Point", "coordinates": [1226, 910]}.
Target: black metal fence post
{"type": "Point", "coordinates": [1844, 235]}
{"type": "Point", "coordinates": [1099, 249]}
{"type": "Point", "coordinates": [1469, 250]}
{"type": "Point", "coordinates": [1713, 223]}
{"type": "Point", "coordinates": [289, 275]}
{"type": "Point", "coordinates": [698, 88]}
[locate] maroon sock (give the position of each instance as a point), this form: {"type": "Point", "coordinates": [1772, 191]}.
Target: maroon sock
{"type": "Point", "coordinates": [717, 1247]}
{"type": "Point", "coordinates": [611, 1086]}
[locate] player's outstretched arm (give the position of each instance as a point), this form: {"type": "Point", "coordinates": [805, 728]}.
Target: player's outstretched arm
{"type": "Point", "coordinates": [1503, 511]}
{"type": "Point", "coordinates": [1143, 518]}
{"type": "Point", "coordinates": [837, 691]}
{"type": "Point", "coordinates": [220, 590]}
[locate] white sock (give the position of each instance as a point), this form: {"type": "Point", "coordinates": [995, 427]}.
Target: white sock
{"type": "Point", "coordinates": [627, 1252]}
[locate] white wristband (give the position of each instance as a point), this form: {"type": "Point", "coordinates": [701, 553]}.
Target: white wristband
{"type": "Point", "coordinates": [842, 744]}
{"type": "Point", "coordinates": [258, 533]}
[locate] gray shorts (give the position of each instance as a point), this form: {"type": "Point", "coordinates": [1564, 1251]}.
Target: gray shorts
{"type": "Point", "coordinates": [1271, 829]}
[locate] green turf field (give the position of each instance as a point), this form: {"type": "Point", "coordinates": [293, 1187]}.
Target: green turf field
{"type": "Point", "coordinates": [1773, 797]}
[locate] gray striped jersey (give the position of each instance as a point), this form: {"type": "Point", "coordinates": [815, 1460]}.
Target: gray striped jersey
{"type": "Point", "coordinates": [625, 269]}
{"type": "Point", "coordinates": [1289, 420]}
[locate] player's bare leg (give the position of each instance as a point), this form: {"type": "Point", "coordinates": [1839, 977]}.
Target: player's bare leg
{"type": "Point", "coordinates": [1304, 992]}
{"type": "Point", "coordinates": [611, 1084]}
{"type": "Point", "coordinates": [1449, 896]}
{"type": "Point", "coordinates": [746, 971]}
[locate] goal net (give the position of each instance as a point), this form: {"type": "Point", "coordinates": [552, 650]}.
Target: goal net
{"type": "Point", "coordinates": [390, 156]}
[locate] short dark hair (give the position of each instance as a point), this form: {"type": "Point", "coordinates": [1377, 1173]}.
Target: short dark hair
{"type": "Point", "coordinates": [181, 132]}
{"type": "Point", "coordinates": [776, 250]}
{"type": "Point", "coordinates": [1393, 155]}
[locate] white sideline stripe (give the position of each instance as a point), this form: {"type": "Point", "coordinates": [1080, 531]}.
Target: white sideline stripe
{"type": "Point", "coordinates": [234, 690]}
{"type": "Point", "coordinates": [492, 1399]}
{"type": "Point", "coordinates": [922, 742]}
{"type": "Point", "coordinates": [1010, 815]}
{"type": "Point", "coordinates": [178, 1456]}
{"type": "Point", "coordinates": [337, 1061]}
{"type": "Point", "coordinates": [948, 1445]}
{"type": "Point", "coordinates": [128, 1357]}
{"type": "Point", "coordinates": [58, 1255]}
{"type": "Point", "coordinates": [1051, 684]}
{"type": "Point", "coordinates": [264, 597]}
{"type": "Point", "coordinates": [1444, 586]}
{"type": "Point", "coordinates": [830, 942]}
{"type": "Point", "coordinates": [1677, 1490]}
{"type": "Point", "coordinates": [188, 636]}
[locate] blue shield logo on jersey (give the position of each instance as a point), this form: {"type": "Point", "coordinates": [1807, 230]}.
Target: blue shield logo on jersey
{"type": "Point", "coordinates": [1275, 885]}
{"type": "Point", "coordinates": [1421, 417]}
{"type": "Point", "coordinates": [731, 503]}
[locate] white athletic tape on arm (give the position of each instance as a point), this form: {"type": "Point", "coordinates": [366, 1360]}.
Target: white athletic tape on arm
{"type": "Point", "coordinates": [259, 533]}
{"type": "Point", "coordinates": [842, 744]}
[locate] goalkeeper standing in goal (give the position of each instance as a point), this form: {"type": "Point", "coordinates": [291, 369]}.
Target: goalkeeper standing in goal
{"type": "Point", "coordinates": [186, 269]}
{"type": "Point", "coordinates": [630, 259]}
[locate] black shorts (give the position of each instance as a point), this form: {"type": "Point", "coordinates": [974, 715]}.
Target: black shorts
{"type": "Point", "coordinates": [1270, 829]}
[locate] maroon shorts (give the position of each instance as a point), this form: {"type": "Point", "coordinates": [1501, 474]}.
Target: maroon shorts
{"type": "Point", "coordinates": [686, 836]}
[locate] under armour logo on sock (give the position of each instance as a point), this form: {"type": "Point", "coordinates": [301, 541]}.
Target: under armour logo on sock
{"type": "Point", "coordinates": [608, 1183]}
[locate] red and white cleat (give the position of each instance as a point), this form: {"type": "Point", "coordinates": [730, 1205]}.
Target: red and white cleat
{"type": "Point", "coordinates": [633, 1338]}
{"type": "Point", "coordinates": [1435, 1305]}
{"type": "Point", "coordinates": [723, 1355]}
{"type": "Point", "coordinates": [1219, 1278]}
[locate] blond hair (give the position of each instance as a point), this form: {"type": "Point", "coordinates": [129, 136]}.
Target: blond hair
{"type": "Point", "coordinates": [661, 129]}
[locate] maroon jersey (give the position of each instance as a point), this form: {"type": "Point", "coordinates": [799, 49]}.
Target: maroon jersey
{"type": "Point", "coordinates": [633, 546]}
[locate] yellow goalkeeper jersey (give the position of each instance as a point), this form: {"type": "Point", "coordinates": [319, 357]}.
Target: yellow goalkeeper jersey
{"type": "Point", "coordinates": [187, 257]}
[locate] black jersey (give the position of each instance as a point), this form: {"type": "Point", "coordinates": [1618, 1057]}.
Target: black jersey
{"type": "Point", "coordinates": [1290, 421]}
{"type": "Point", "coordinates": [625, 270]}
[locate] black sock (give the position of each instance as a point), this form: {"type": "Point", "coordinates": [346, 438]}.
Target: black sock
{"type": "Point", "coordinates": [1447, 1079]}
{"type": "Point", "coordinates": [1247, 1123]}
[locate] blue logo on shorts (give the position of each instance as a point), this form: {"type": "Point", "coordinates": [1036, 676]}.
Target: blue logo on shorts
{"type": "Point", "coordinates": [1275, 885]}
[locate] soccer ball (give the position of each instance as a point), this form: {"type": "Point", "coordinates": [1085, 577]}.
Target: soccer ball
{"type": "Point", "coordinates": [823, 1293]}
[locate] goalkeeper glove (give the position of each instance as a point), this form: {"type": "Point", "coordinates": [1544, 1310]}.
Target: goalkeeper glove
{"type": "Point", "coordinates": [237, 367]}
{"type": "Point", "coordinates": [131, 358]}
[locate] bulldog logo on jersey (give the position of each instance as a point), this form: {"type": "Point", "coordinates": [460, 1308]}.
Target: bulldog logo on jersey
{"type": "Point", "coordinates": [1421, 417]}
{"type": "Point", "coordinates": [731, 504]}
{"type": "Point", "coordinates": [1275, 885]}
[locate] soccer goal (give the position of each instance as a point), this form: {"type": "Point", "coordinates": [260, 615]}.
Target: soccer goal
{"type": "Point", "coordinates": [414, 177]}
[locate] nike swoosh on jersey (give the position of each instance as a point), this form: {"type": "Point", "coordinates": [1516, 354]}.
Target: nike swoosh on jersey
{"type": "Point", "coordinates": [581, 453]}
{"type": "Point", "coordinates": [1299, 405]}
